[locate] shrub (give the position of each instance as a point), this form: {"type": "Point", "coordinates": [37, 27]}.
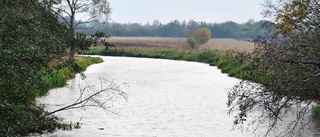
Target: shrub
{"type": "Point", "coordinates": [199, 37]}
{"type": "Point", "coordinates": [192, 42]}
{"type": "Point", "coordinates": [202, 35]}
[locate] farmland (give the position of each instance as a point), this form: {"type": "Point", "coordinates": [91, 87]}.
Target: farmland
{"type": "Point", "coordinates": [228, 44]}
{"type": "Point", "coordinates": [179, 43]}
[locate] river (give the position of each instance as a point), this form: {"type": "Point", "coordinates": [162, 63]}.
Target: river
{"type": "Point", "coordinates": [165, 98]}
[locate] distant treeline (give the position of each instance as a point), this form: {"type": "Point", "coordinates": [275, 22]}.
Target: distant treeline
{"type": "Point", "coordinates": [175, 28]}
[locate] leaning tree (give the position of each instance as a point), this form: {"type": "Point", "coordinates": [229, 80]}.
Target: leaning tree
{"type": "Point", "coordinates": [287, 68]}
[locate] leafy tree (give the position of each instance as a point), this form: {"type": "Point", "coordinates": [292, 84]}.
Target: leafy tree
{"type": "Point", "coordinates": [287, 63]}
{"type": "Point", "coordinates": [95, 9]}
{"type": "Point", "coordinates": [30, 37]}
{"type": "Point", "coordinates": [201, 36]}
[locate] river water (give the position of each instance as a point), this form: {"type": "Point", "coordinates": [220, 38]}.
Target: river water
{"type": "Point", "coordinates": [165, 98]}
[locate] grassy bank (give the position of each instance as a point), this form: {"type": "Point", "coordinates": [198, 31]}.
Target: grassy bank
{"type": "Point", "coordinates": [57, 77]}
{"type": "Point", "coordinates": [165, 53]}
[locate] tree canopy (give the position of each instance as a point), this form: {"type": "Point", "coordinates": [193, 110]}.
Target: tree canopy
{"type": "Point", "coordinates": [30, 37]}
{"type": "Point", "coordinates": [202, 35]}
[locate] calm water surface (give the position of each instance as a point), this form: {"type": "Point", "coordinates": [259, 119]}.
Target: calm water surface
{"type": "Point", "coordinates": [165, 98]}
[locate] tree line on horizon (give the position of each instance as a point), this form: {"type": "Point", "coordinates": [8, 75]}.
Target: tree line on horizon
{"type": "Point", "coordinates": [229, 29]}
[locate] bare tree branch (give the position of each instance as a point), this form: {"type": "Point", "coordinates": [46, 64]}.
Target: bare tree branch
{"type": "Point", "coordinates": [110, 93]}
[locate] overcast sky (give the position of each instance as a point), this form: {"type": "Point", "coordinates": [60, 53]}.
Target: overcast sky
{"type": "Point", "coordinates": [211, 11]}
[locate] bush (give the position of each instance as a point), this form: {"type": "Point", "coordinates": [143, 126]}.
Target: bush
{"type": "Point", "coordinates": [199, 37]}
{"type": "Point", "coordinates": [202, 35]}
{"type": "Point", "coordinates": [192, 42]}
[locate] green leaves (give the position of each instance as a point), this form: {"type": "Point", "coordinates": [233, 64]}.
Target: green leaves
{"type": "Point", "coordinates": [30, 37]}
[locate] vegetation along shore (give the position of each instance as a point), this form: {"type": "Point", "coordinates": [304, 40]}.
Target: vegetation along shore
{"type": "Point", "coordinates": [34, 49]}
{"type": "Point", "coordinates": [280, 66]}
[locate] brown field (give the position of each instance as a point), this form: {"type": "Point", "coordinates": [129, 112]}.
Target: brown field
{"type": "Point", "coordinates": [149, 42]}
{"type": "Point", "coordinates": [180, 43]}
{"type": "Point", "coordinates": [228, 44]}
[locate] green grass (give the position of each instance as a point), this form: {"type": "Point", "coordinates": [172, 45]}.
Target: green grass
{"type": "Point", "coordinates": [93, 51]}
{"type": "Point", "coordinates": [58, 78]}
{"type": "Point", "coordinates": [55, 78]}
{"type": "Point", "coordinates": [87, 61]}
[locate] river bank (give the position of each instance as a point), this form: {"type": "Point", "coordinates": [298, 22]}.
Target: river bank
{"type": "Point", "coordinates": [21, 119]}
{"type": "Point", "coordinates": [58, 75]}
